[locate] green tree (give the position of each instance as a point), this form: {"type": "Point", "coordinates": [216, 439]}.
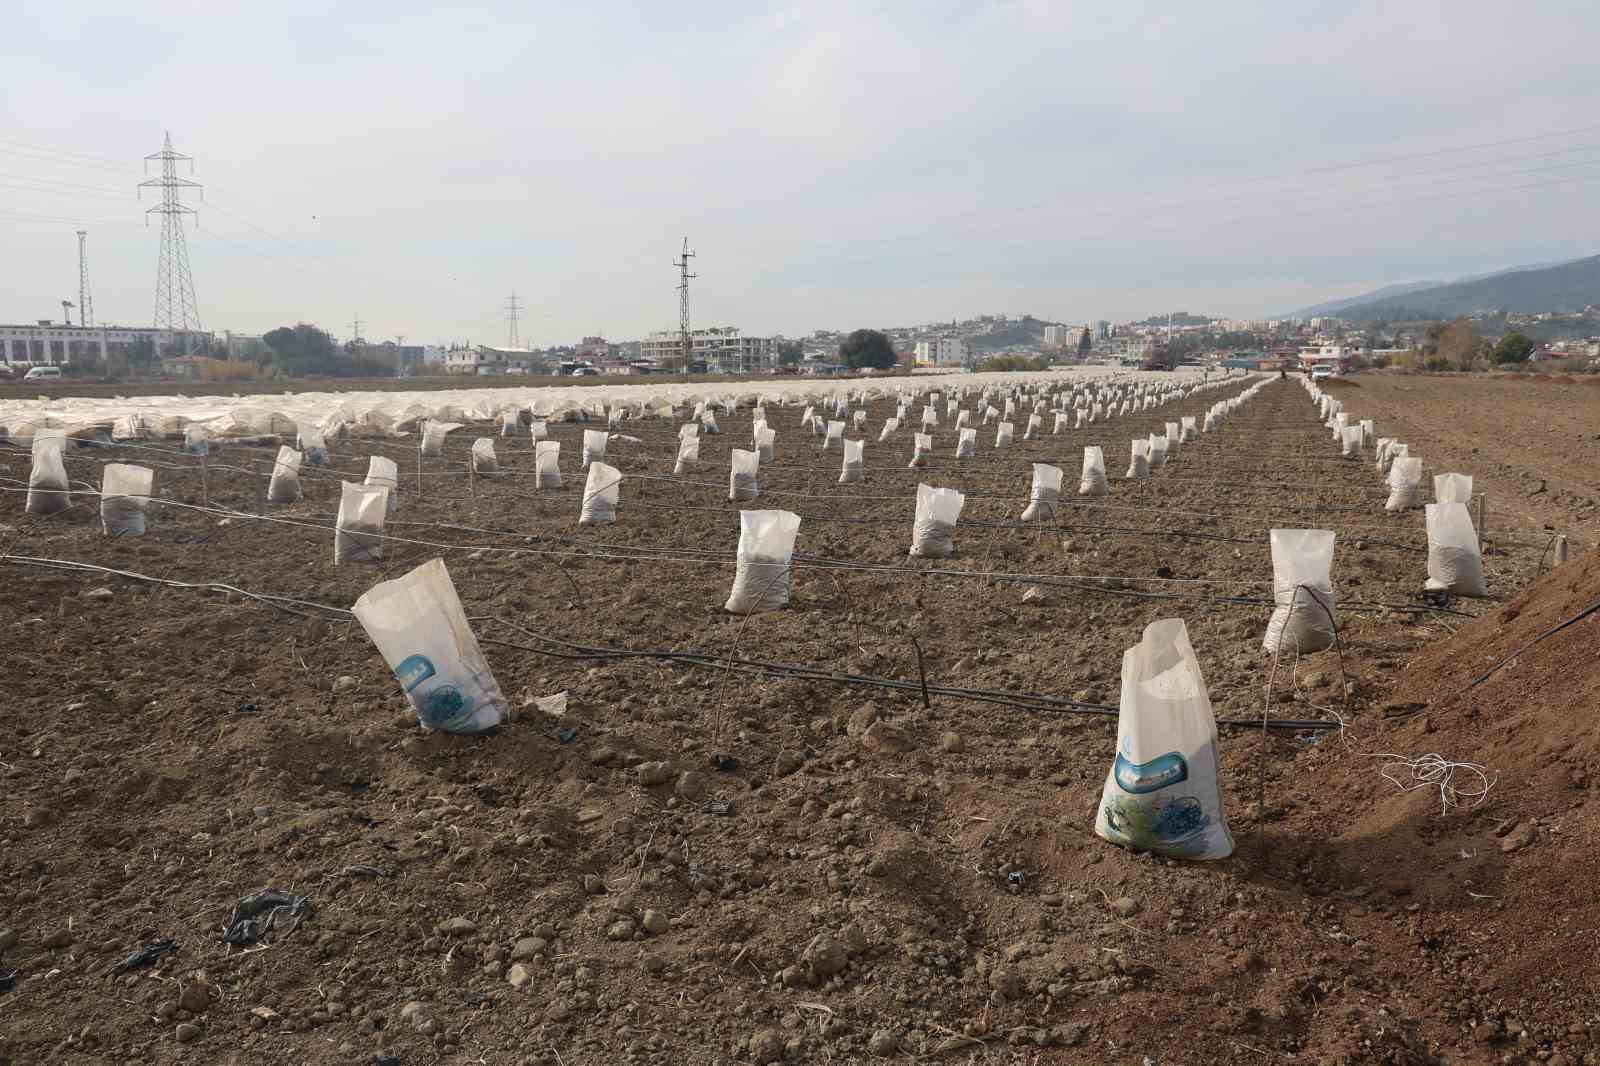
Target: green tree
{"type": "Point", "coordinates": [1514, 347]}
{"type": "Point", "coordinates": [789, 353]}
{"type": "Point", "coordinates": [867, 348]}
{"type": "Point", "coordinates": [142, 355]}
{"type": "Point", "coordinates": [303, 349]}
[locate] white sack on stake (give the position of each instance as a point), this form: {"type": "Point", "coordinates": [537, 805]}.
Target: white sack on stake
{"type": "Point", "coordinates": [600, 493]}
{"type": "Point", "coordinates": [1405, 485]}
{"type": "Point", "coordinates": [1093, 481]}
{"type": "Point", "coordinates": [1032, 432]}
{"type": "Point", "coordinates": [930, 417]}
{"type": "Point", "coordinates": [285, 484]}
{"type": "Point", "coordinates": [1369, 433]}
{"type": "Point", "coordinates": [1452, 488]}
{"type": "Point", "coordinates": [124, 493]}
{"type": "Point", "coordinates": [358, 533]}
{"type": "Point", "coordinates": [934, 528]}
{"type": "Point", "coordinates": [538, 429]}
{"type": "Point", "coordinates": [888, 427]}
{"type": "Point", "coordinates": [47, 479]}
{"type": "Point", "coordinates": [1045, 493]}
{"type": "Point", "coordinates": [196, 441]}
{"type": "Point", "coordinates": [383, 472]}
{"type": "Point", "coordinates": [835, 435]}
{"type": "Point", "coordinates": [1139, 464]}
{"type": "Point", "coordinates": [742, 467]}
{"type": "Point", "coordinates": [1352, 442]}
{"type": "Point", "coordinates": [1382, 454]}
{"type": "Point", "coordinates": [967, 443]}
{"type": "Point", "coordinates": [1002, 435]}
{"type": "Point", "coordinates": [1158, 451]}
{"type": "Point", "coordinates": [921, 448]}
{"type": "Point", "coordinates": [312, 445]}
{"type": "Point", "coordinates": [761, 572]}
{"type": "Point", "coordinates": [688, 455]}
{"type": "Point", "coordinates": [1302, 590]}
{"type": "Point", "coordinates": [418, 625]}
{"type": "Point", "coordinates": [860, 420]}
{"type": "Point", "coordinates": [1191, 431]}
{"type": "Point", "coordinates": [594, 445]}
{"type": "Point", "coordinates": [1174, 439]}
{"type": "Point", "coordinates": [1454, 562]}
{"type": "Point", "coordinates": [1060, 424]}
{"type": "Point", "coordinates": [1161, 794]}
{"type": "Point", "coordinates": [766, 440]}
{"type": "Point", "coordinates": [708, 422]}
{"type": "Point", "coordinates": [483, 459]}
{"type": "Point", "coordinates": [433, 434]}
{"type": "Point", "coordinates": [853, 471]}
{"type": "Point", "coordinates": [547, 464]}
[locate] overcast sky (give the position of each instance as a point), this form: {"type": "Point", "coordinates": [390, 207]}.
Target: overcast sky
{"type": "Point", "coordinates": [834, 165]}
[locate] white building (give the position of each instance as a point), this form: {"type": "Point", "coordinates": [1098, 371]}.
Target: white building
{"type": "Point", "coordinates": [723, 350]}
{"type": "Point", "coordinates": [942, 351]}
{"type": "Point", "coordinates": [484, 361]}
{"type": "Point", "coordinates": [47, 344]}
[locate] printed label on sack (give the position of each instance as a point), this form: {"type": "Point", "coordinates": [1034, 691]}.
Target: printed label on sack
{"type": "Point", "coordinates": [413, 671]}
{"type": "Point", "coordinates": [1142, 777]}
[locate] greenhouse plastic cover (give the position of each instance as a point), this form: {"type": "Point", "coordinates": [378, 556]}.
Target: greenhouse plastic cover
{"type": "Point", "coordinates": [387, 413]}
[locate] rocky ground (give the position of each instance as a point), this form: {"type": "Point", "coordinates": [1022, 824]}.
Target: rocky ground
{"type": "Point", "coordinates": [699, 864]}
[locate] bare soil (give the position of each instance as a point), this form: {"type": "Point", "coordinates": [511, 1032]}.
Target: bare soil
{"type": "Point", "coordinates": [831, 872]}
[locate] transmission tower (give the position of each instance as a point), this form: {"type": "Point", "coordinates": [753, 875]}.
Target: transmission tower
{"type": "Point", "coordinates": [85, 301]}
{"type": "Point", "coordinates": [513, 315]}
{"type": "Point", "coordinates": [175, 305]}
{"type": "Point", "coordinates": [685, 338]}
{"type": "Point", "coordinates": [355, 332]}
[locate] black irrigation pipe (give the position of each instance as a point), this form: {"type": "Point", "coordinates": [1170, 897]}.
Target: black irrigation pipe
{"type": "Point", "coordinates": [763, 668]}
{"type": "Point", "coordinates": [1552, 631]}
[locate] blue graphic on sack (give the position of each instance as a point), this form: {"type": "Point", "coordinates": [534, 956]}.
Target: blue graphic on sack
{"type": "Point", "coordinates": [1176, 827]}
{"type": "Point", "coordinates": [1142, 777]}
{"type": "Point", "coordinates": [444, 707]}
{"type": "Point", "coordinates": [413, 671]}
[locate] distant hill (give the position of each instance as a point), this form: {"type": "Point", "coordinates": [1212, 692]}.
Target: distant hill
{"type": "Point", "coordinates": [1333, 307]}
{"type": "Point", "coordinates": [1026, 332]}
{"type": "Point", "coordinates": [1564, 287]}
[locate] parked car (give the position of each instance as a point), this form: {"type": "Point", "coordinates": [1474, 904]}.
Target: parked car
{"type": "Point", "coordinates": [43, 373]}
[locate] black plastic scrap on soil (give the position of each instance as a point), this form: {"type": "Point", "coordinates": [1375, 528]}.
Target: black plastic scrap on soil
{"type": "Point", "coordinates": [145, 956]}
{"type": "Point", "coordinates": [283, 910]}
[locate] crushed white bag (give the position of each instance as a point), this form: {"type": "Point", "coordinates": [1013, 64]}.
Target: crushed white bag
{"type": "Point", "coordinates": [124, 493]}
{"type": "Point", "coordinates": [1405, 484]}
{"type": "Point", "coordinates": [921, 448]}
{"type": "Point", "coordinates": [433, 434]}
{"type": "Point", "coordinates": [1452, 488]}
{"type": "Point", "coordinates": [483, 458]}
{"type": "Point", "coordinates": [853, 470]}
{"type": "Point", "coordinates": [47, 479]}
{"type": "Point", "coordinates": [383, 472]}
{"type": "Point", "coordinates": [1302, 591]}
{"type": "Point", "coordinates": [1161, 794]}
{"type": "Point", "coordinates": [742, 467]}
{"type": "Point", "coordinates": [285, 484]}
{"type": "Point", "coordinates": [761, 573]}
{"type": "Point", "coordinates": [1093, 481]}
{"type": "Point", "coordinates": [1140, 464]}
{"type": "Point", "coordinates": [358, 534]}
{"type": "Point", "coordinates": [600, 492]}
{"type": "Point", "coordinates": [1044, 495]}
{"type": "Point", "coordinates": [594, 445]}
{"type": "Point", "coordinates": [547, 464]}
{"type": "Point", "coordinates": [1455, 564]}
{"type": "Point", "coordinates": [934, 528]}
{"type": "Point", "coordinates": [418, 625]}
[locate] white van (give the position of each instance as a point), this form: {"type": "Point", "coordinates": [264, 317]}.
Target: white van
{"type": "Point", "coordinates": [43, 373]}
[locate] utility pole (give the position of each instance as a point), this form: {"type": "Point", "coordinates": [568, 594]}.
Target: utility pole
{"type": "Point", "coordinates": [355, 334]}
{"type": "Point", "coordinates": [66, 311]}
{"type": "Point", "coordinates": [513, 314]}
{"type": "Point", "coordinates": [685, 338]}
{"type": "Point", "coordinates": [85, 301]}
{"type": "Point", "coordinates": [399, 355]}
{"type": "Point", "coordinates": [175, 304]}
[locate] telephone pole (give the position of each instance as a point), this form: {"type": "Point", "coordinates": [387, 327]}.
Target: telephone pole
{"type": "Point", "coordinates": [85, 301]}
{"type": "Point", "coordinates": [513, 314]}
{"type": "Point", "coordinates": [175, 304]}
{"type": "Point", "coordinates": [685, 337]}
{"type": "Point", "coordinates": [355, 333]}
